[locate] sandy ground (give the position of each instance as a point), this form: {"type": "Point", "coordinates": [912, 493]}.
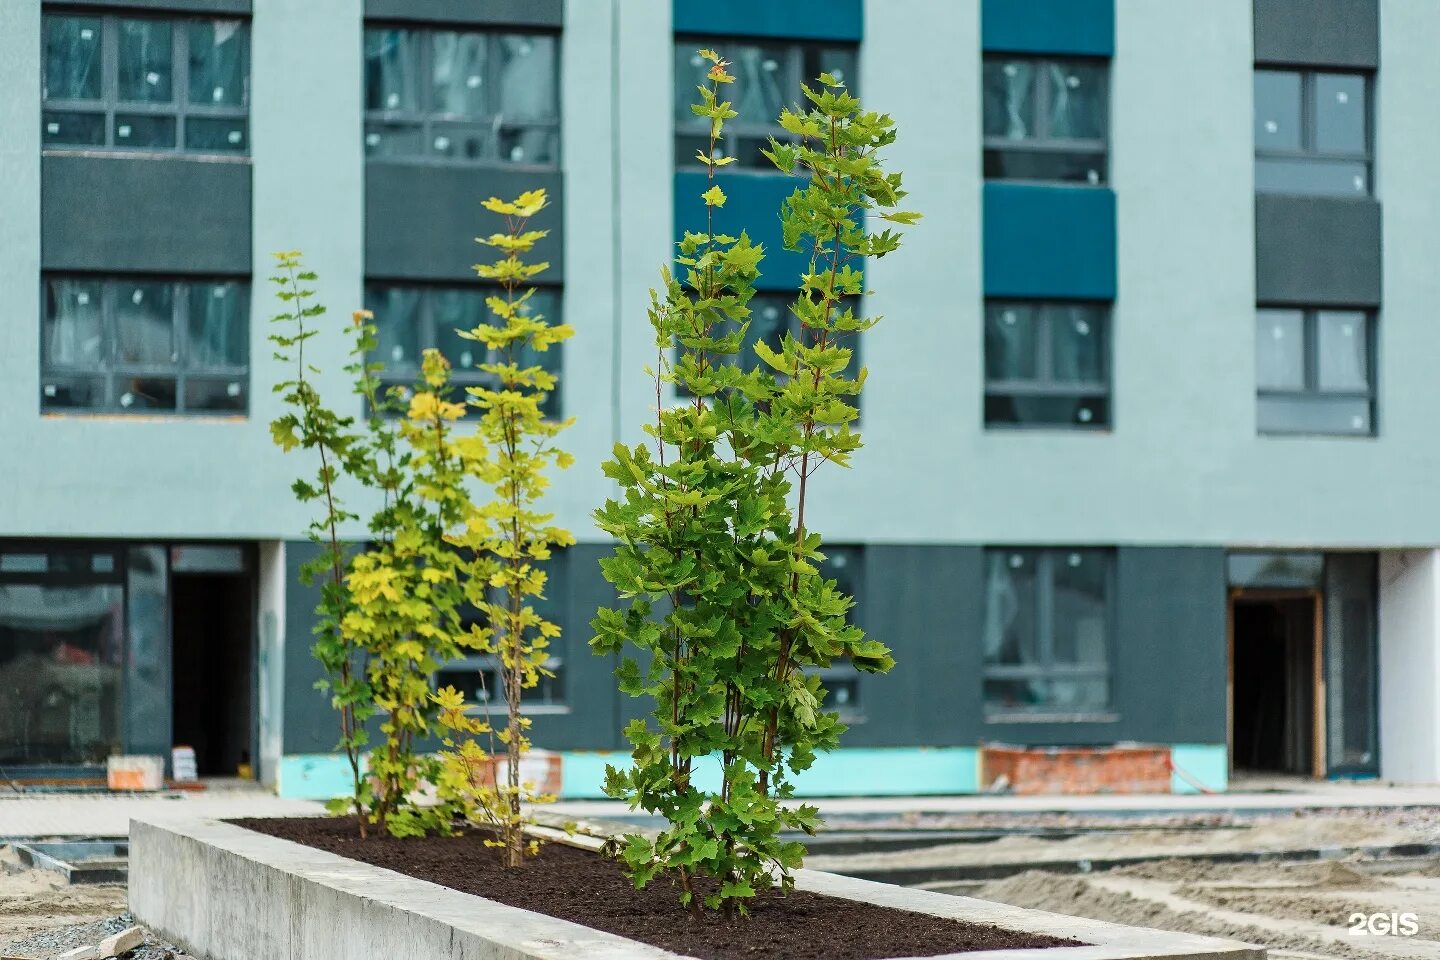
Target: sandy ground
{"type": "Point", "coordinates": [34, 900]}
{"type": "Point", "coordinates": [1298, 910]}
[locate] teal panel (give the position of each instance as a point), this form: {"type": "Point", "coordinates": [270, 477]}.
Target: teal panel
{"type": "Point", "coordinates": [1045, 241]}
{"type": "Point", "coordinates": [1207, 763]}
{"type": "Point", "coordinates": [1085, 27]}
{"type": "Point", "coordinates": [796, 19]}
{"type": "Point", "coordinates": [899, 772]}
{"type": "Point", "coordinates": [752, 203]}
{"type": "Point", "coordinates": [902, 772]}
{"type": "Point", "coordinates": [314, 776]}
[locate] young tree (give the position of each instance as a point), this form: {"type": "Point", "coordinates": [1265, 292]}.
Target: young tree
{"type": "Point", "coordinates": [727, 606]}
{"type": "Point", "coordinates": [311, 425]}
{"type": "Point", "coordinates": [388, 614]}
{"type": "Point", "coordinates": [508, 538]}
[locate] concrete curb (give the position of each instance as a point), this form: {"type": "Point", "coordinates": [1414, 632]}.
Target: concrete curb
{"type": "Point", "coordinates": [227, 893]}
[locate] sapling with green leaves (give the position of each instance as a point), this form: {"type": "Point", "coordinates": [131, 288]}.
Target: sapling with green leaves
{"type": "Point", "coordinates": [311, 425]}
{"type": "Point", "coordinates": [726, 606]}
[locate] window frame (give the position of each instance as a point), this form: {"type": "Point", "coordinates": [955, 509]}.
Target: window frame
{"type": "Point", "coordinates": [425, 118]}
{"type": "Point", "coordinates": [1044, 384]}
{"type": "Point", "coordinates": [112, 370]}
{"type": "Point", "coordinates": [490, 665]}
{"type": "Point", "coordinates": [1312, 391]}
{"type": "Point", "coordinates": [747, 360]}
{"type": "Point", "coordinates": [842, 670]}
{"type": "Point", "coordinates": [740, 128]}
{"type": "Point", "coordinates": [1045, 668]}
{"type": "Point", "coordinates": [109, 105]}
{"type": "Point", "coordinates": [426, 339]}
{"type": "Point", "coordinates": [1044, 143]}
{"type": "Point", "coordinates": [1308, 122]}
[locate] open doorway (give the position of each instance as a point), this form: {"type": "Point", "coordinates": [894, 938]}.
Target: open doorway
{"type": "Point", "coordinates": [213, 666]}
{"type": "Point", "coordinates": [1275, 676]}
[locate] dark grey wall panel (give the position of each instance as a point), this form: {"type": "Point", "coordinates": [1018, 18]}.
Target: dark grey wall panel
{"type": "Point", "coordinates": [924, 603]}
{"type": "Point", "coordinates": [421, 220]}
{"type": "Point", "coordinates": [310, 725]}
{"type": "Point", "coordinates": [1170, 644]}
{"type": "Point", "coordinates": [1322, 33]}
{"type": "Point", "coordinates": [927, 603]}
{"type": "Point", "coordinates": [527, 13]}
{"type": "Point", "coordinates": [593, 722]}
{"type": "Point", "coordinates": [160, 214]}
{"type": "Point", "coordinates": [1317, 250]}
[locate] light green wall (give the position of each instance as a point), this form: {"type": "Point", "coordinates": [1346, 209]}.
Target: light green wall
{"type": "Point", "coordinates": [1181, 465]}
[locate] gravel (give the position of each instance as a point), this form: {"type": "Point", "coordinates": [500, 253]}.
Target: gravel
{"type": "Point", "coordinates": [57, 940]}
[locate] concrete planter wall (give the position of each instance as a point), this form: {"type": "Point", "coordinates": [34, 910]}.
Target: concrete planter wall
{"type": "Point", "coordinates": [227, 893]}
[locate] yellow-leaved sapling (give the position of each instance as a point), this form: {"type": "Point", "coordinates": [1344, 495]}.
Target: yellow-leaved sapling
{"type": "Point", "coordinates": [508, 539]}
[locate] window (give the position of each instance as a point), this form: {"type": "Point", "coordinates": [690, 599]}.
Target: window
{"type": "Point", "coordinates": [770, 319]}
{"type": "Point", "coordinates": [1312, 133]}
{"type": "Point", "coordinates": [1047, 364]}
{"type": "Point", "coordinates": [144, 345]}
{"type": "Point", "coordinates": [411, 319]}
{"type": "Point", "coordinates": [1046, 633]}
{"type": "Point", "coordinates": [146, 83]}
{"type": "Point", "coordinates": [1313, 371]}
{"type": "Point", "coordinates": [465, 97]}
{"type": "Point", "coordinates": [844, 565]}
{"type": "Point", "coordinates": [478, 678]}
{"type": "Point", "coordinates": [1046, 119]}
{"type": "Point", "coordinates": [768, 75]}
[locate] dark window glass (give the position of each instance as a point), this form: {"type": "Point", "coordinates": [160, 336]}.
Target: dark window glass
{"type": "Point", "coordinates": [137, 345]}
{"type": "Point", "coordinates": [219, 325]}
{"type": "Point", "coordinates": [144, 131]}
{"type": "Point", "coordinates": [146, 83]}
{"type": "Point", "coordinates": [1312, 133]}
{"type": "Point", "coordinates": [72, 58]}
{"type": "Point", "coordinates": [219, 55]}
{"type": "Point", "coordinates": [410, 320]}
{"type": "Point", "coordinates": [214, 135]}
{"type": "Point", "coordinates": [61, 662]}
{"type": "Point", "coordinates": [145, 323]}
{"type": "Point", "coordinates": [1046, 632]}
{"type": "Point", "coordinates": [392, 70]}
{"type": "Point", "coordinates": [1046, 364]}
{"type": "Point", "coordinates": [464, 97]}
{"type": "Point", "coordinates": [1314, 371]}
{"type": "Point", "coordinates": [768, 77]}
{"type": "Point", "coordinates": [146, 61]}
{"type": "Point", "coordinates": [73, 129]}
{"type": "Point", "coordinates": [1277, 110]}
{"type": "Point", "coordinates": [1045, 118]}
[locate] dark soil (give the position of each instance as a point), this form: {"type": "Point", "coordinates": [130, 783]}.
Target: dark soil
{"type": "Point", "coordinates": [585, 888]}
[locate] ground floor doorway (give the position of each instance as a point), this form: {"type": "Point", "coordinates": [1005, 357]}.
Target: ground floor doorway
{"type": "Point", "coordinates": [1302, 645]}
{"type": "Point", "coordinates": [1276, 686]}
{"type": "Point", "coordinates": [212, 631]}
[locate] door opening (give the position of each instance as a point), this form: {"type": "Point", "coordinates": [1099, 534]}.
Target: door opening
{"type": "Point", "coordinates": [1275, 683]}
{"type": "Point", "coordinates": [212, 630]}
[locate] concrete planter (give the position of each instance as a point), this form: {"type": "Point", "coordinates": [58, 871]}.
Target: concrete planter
{"type": "Point", "coordinates": [227, 893]}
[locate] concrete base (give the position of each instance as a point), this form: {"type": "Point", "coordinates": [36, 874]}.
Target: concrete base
{"type": "Point", "coordinates": [226, 893]}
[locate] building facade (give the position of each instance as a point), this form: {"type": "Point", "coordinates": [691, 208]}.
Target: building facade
{"type": "Point", "coordinates": [1149, 444]}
